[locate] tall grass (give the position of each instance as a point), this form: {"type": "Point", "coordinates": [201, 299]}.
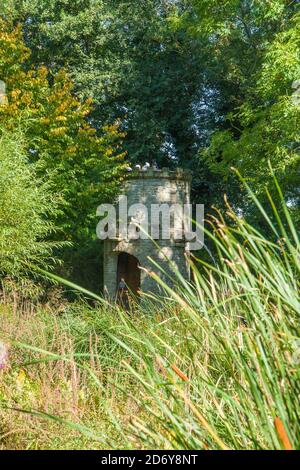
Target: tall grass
{"type": "Point", "coordinates": [213, 365]}
{"type": "Point", "coordinates": [60, 366]}
{"type": "Point", "coordinates": [228, 375]}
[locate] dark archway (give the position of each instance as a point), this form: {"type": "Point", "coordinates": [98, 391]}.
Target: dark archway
{"type": "Point", "coordinates": [128, 269]}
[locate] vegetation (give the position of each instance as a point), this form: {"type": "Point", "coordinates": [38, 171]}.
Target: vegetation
{"type": "Point", "coordinates": [27, 205]}
{"type": "Point", "coordinates": [85, 167]}
{"type": "Point", "coordinates": [58, 133]}
{"type": "Point", "coordinates": [87, 88]}
{"type": "Point", "coordinates": [255, 52]}
{"type": "Point", "coordinates": [214, 366]}
{"type": "Point", "coordinates": [201, 84]}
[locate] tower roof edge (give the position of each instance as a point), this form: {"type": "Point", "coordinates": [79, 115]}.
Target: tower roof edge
{"type": "Point", "coordinates": [164, 173]}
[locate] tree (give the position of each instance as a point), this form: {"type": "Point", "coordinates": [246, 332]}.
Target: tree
{"type": "Point", "coordinates": [253, 61]}
{"type": "Point", "coordinates": [134, 64]}
{"type": "Point", "coordinates": [266, 125]}
{"type": "Point", "coordinates": [86, 167]}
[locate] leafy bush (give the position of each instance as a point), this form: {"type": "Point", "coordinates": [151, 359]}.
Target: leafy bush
{"type": "Point", "coordinates": [26, 207]}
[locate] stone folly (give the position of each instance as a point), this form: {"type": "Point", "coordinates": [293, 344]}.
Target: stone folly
{"type": "Point", "coordinates": [124, 258]}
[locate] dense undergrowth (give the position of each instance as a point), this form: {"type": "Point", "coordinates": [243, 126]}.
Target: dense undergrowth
{"type": "Point", "coordinates": [212, 364]}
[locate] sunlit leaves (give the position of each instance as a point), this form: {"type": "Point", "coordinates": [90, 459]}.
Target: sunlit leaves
{"type": "Point", "coordinates": [86, 165]}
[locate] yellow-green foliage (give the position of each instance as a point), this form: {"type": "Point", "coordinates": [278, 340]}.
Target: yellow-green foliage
{"type": "Point", "coordinates": [86, 167]}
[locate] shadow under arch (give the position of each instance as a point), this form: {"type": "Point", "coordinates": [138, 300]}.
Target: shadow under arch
{"type": "Point", "coordinates": [128, 276]}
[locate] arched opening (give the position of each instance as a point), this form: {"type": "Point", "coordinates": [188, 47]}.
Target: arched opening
{"type": "Point", "coordinates": [128, 273]}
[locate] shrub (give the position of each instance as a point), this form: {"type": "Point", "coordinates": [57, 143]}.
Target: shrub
{"type": "Point", "coordinates": [26, 207]}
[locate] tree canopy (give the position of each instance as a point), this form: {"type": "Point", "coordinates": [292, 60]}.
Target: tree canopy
{"type": "Point", "coordinates": [199, 84]}
{"type": "Point", "coordinates": [85, 165]}
{"type": "Point", "coordinates": [131, 61]}
{"type": "Point", "coordinates": [255, 52]}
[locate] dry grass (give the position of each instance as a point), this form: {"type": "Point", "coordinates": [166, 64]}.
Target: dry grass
{"type": "Point", "coordinates": [61, 388]}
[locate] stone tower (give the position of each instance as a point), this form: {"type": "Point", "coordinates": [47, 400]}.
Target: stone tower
{"type": "Point", "coordinates": [123, 257]}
